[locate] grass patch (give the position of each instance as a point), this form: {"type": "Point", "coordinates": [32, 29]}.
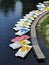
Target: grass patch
{"type": "Point", "coordinates": [43, 30]}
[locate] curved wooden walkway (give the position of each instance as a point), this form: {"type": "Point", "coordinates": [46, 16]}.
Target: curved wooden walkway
{"type": "Point", "coordinates": [34, 40]}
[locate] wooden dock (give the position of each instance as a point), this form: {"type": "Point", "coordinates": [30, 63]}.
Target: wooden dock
{"type": "Point", "coordinates": [38, 52]}
{"type": "Point", "coordinates": [34, 40]}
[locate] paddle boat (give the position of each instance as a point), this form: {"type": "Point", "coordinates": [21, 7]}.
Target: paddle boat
{"type": "Point", "coordinates": [46, 2]}
{"type": "Point", "coordinates": [19, 44]}
{"type": "Point", "coordinates": [22, 52]}
{"type": "Point", "coordinates": [26, 20]}
{"type": "Point", "coordinates": [29, 17]}
{"type": "Point", "coordinates": [20, 27]}
{"type": "Point", "coordinates": [22, 31]}
{"type": "Point", "coordinates": [22, 23]}
{"type": "Point", "coordinates": [40, 5]}
{"type": "Point", "coordinates": [41, 9]}
{"type": "Point", "coordinates": [17, 38]}
{"type": "Point", "coordinates": [37, 13]}
{"type": "Point", "coordinates": [33, 14]}
{"type": "Point", "coordinates": [46, 8]}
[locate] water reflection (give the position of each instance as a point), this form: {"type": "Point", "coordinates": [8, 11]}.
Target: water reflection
{"type": "Point", "coordinates": [10, 9]}
{"type": "Point", "coordinates": [8, 17]}
{"type": "Point", "coordinates": [11, 6]}
{"type": "Point", "coordinates": [18, 8]}
{"type": "Point", "coordinates": [6, 5]}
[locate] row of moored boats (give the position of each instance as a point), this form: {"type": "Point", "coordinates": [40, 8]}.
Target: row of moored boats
{"type": "Point", "coordinates": [21, 41]}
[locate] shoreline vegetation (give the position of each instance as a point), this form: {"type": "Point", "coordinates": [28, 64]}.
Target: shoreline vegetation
{"type": "Point", "coordinates": [44, 30]}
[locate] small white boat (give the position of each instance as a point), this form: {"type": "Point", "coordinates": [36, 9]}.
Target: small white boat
{"type": "Point", "coordinates": [22, 23]}
{"type": "Point", "coordinates": [26, 20]}
{"type": "Point", "coordinates": [40, 6]}
{"type": "Point", "coordinates": [21, 26]}
{"type": "Point", "coordinates": [38, 12]}
{"type": "Point", "coordinates": [18, 27]}
{"type": "Point", "coordinates": [42, 9]}
{"type": "Point", "coordinates": [22, 52]}
{"type": "Point", "coordinates": [34, 15]}
{"type": "Point", "coordinates": [46, 8]}
{"type": "Point", "coordinates": [22, 31]}
{"type": "Point", "coordinates": [31, 14]}
{"type": "Point", "coordinates": [40, 3]}
{"type": "Point", "coordinates": [46, 2]}
{"type": "Point", "coordinates": [19, 44]}
{"type": "Point", "coordinates": [28, 16]}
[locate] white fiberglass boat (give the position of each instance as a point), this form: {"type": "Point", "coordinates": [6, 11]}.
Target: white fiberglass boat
{"type": "Point", "coordinates": [19, 44]}
{"type": "Point", "coordinates": [28, 16]}
{"type": "Point", "coordinates": [40, 5]}
{"type": "Point", "coordinates": [22, 52]}
{"type": "Point", "coordinates": [36, 12]}
{"type": "Point", "coordinates": [20, 27]}
{"type": "Point", "coordinates": [26, 20]}
{"type": "Point", "coordinates": [22, 31]}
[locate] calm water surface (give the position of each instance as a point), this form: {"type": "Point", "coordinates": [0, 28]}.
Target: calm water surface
{"type": "Point", "coordinates": [10, 12]}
